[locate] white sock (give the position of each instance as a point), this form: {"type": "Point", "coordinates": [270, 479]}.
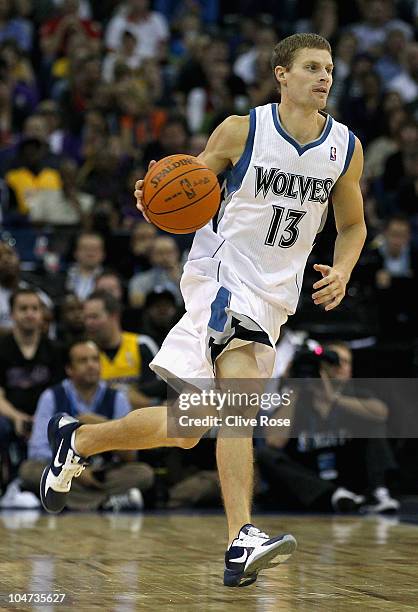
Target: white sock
{"type": "Point", "coordinates": [73, 446]}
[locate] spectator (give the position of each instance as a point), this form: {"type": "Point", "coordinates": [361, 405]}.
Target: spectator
{"type": "Point", "coordinates": [30, 174]}
{"type": "Point", "coordinates": [386, 144]}
{"type": "Point", "coordinates": [406, 83]}
{"type": "Point", "coordinates": [128, 208]}
{"type": "Point", "coordinates": [185, 32]}
{"type": "Point", "coordinates": [324, 20]}
{"type": "Point", "coordinates": [263, 90]}
{"type": "Point", "coordinates": [89, 255]}
{"type": "Point", "coordinates": [165, 272]}
{"type": "Point", "coordinates": [127, 55]}
{"type": "Point", "coordinates": [29, 363]}
{"type": "Point", "coordinates": [408, 193]}
{"type": "Point", "coordinates": [245, 66]}
{"type": "Point", "coordinates": [224, 94]}
{"type": "Point", "coordinates": [56, 136]}
{"type": "Point", "coordinates": [395, 257]}
{"type": "Point", "coordinates": [111, 483]}
{"type": "Point", "coordinates": [71, 320]}
{"type": "Point", "coordinates": [160, 314]}
{"type": "Point", "coordinates": [111, 282]}
{"type": "Point", "coordinates": [78, 92]}
{"type": "Point", "coordinates": [390, 65]}
{"type": "Point", "coordinates": [19, 74]}
{"type": "Point", "coordinates": [10, 281]}
{"type": "Point", "coordinates": [363, 113]}
{"type": "Point", "coordinates": [377, 22]}
{"type": "Point", "coordinates": [149, 28]}
{"type": "Point", "coordinates": [15, 28]}
{"type": "Point", "coordinates": [87, 144]}
{"type": "Point", "coordinates": [173, 138]}
{"type": "Point", "coordinates": [56, 31]}
{"type": "Point", "coordinates": [68, 206]}
{"type": "Point", "coordinates": [140, 121]}
{"type": "Point", "coordinates": [175, 10]}
{"type": "Point", "coordinates": [395, 167]}
{"type": "Point", "coordinates": [124, 357]}
{"type": "Point", "coordinates": [205, 52]}
{"type": "Point", "coordinates": [34, 126]}
{"type": "Point", "coordinates": [345, 51]}
{"type": "Point", "coordinates": [136, 258]}
{"type": "Point", "coordinates": [102, 174]}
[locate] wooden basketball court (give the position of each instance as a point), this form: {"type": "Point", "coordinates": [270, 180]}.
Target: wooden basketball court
{"type": "Point", "coordinates": [175, 561]}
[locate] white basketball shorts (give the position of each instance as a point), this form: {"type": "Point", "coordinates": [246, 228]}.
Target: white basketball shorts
{"type": "Point", "coordinates": [222, 313]}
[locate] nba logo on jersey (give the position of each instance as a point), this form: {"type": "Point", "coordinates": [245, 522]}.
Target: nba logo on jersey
{"type": "Point", "coordinates": [333, 154]}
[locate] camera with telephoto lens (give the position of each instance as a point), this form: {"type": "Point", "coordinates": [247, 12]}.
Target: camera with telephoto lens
{"type": "Point", "coordinates": [308, 359]}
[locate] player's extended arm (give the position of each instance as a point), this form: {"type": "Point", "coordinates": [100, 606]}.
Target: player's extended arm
{"type": "Point", "coordinates": [225, 145]}
{"type": "Point", "coordinates": [349, 219]}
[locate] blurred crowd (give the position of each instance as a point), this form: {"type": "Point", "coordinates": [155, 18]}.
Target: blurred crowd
{"type": "Point", "coordinates": [91, 92]}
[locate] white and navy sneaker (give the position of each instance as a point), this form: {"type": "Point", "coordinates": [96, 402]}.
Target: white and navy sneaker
{"type": "Point", "coordinates": [253, 551]}
{"type": "Point", "coordinates": [65, 464]}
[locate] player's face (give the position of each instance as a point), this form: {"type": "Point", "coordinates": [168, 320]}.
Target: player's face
{"type": "Point", "coordinates": [308, 81]}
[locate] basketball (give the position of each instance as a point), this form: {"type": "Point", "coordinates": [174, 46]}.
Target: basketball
{"type": "Point", "coordinates": [180, 194]}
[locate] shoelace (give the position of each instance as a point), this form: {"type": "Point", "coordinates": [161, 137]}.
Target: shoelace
{"type": "Point", "coordinates": [69, 471]}
{"type": "Point", "coordinates": [254, 532]}
{"type": "Point", "coordinates": [253, 537]}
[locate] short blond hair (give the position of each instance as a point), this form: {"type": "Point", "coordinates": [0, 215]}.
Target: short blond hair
{"type": "Point", "coordinates": [284, 52]}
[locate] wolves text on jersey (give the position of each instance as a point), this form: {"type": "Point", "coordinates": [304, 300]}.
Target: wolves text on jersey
{"type": "Point", "coordinates": [292, 186]}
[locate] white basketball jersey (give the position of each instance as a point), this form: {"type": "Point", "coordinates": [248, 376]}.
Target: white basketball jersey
{"type": "Point", "coordinates": [275, 203]}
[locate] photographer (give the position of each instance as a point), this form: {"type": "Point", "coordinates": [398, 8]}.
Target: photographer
{"type": "Point", "coordinates": [326, 456]}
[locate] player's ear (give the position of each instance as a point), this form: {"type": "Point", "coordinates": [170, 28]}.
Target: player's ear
{"type": "Point", "coordinates": [280, 72]}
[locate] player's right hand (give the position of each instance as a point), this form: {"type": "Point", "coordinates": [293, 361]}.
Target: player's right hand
{"type": "Point", "coordinates": [138, 193]}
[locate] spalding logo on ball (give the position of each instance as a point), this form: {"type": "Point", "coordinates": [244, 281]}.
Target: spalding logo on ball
{"type": "Point", "coordinates": [180, 194]}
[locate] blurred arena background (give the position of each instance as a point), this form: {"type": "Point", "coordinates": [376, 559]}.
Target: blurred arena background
{"type": "Point", "coordinates": [90, 92]}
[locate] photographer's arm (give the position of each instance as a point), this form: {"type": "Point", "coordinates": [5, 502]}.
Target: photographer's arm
{"type": "Point", "coordinates": [371, 408]}
{"type": "Point", "coordinates": [368, 408]}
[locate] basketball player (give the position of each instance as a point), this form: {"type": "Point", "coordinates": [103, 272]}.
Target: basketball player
{"type": "Point", "coordinates": [242, 281]}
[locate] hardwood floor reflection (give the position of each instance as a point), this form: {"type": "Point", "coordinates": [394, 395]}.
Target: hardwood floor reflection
{"type": "Point", "coordinates": [125, 562]}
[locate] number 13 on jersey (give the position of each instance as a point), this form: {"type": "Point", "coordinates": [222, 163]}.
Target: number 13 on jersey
{"type": "Point", "coordinates": [289, 231]}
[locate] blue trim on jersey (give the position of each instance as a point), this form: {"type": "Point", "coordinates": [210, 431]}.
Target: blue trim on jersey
{"type": "Point", "coordinates": [350, 151]}
{"type": "Point", "coordinates": [235, 175]}
{"type": "Point", "coordinates": [299, 148]}
{"type": "Point", "coordinates": [218, 307]}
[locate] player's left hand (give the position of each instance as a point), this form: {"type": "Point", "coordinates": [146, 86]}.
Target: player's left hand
{"type": "Point", "coordinates": [331, 287]}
